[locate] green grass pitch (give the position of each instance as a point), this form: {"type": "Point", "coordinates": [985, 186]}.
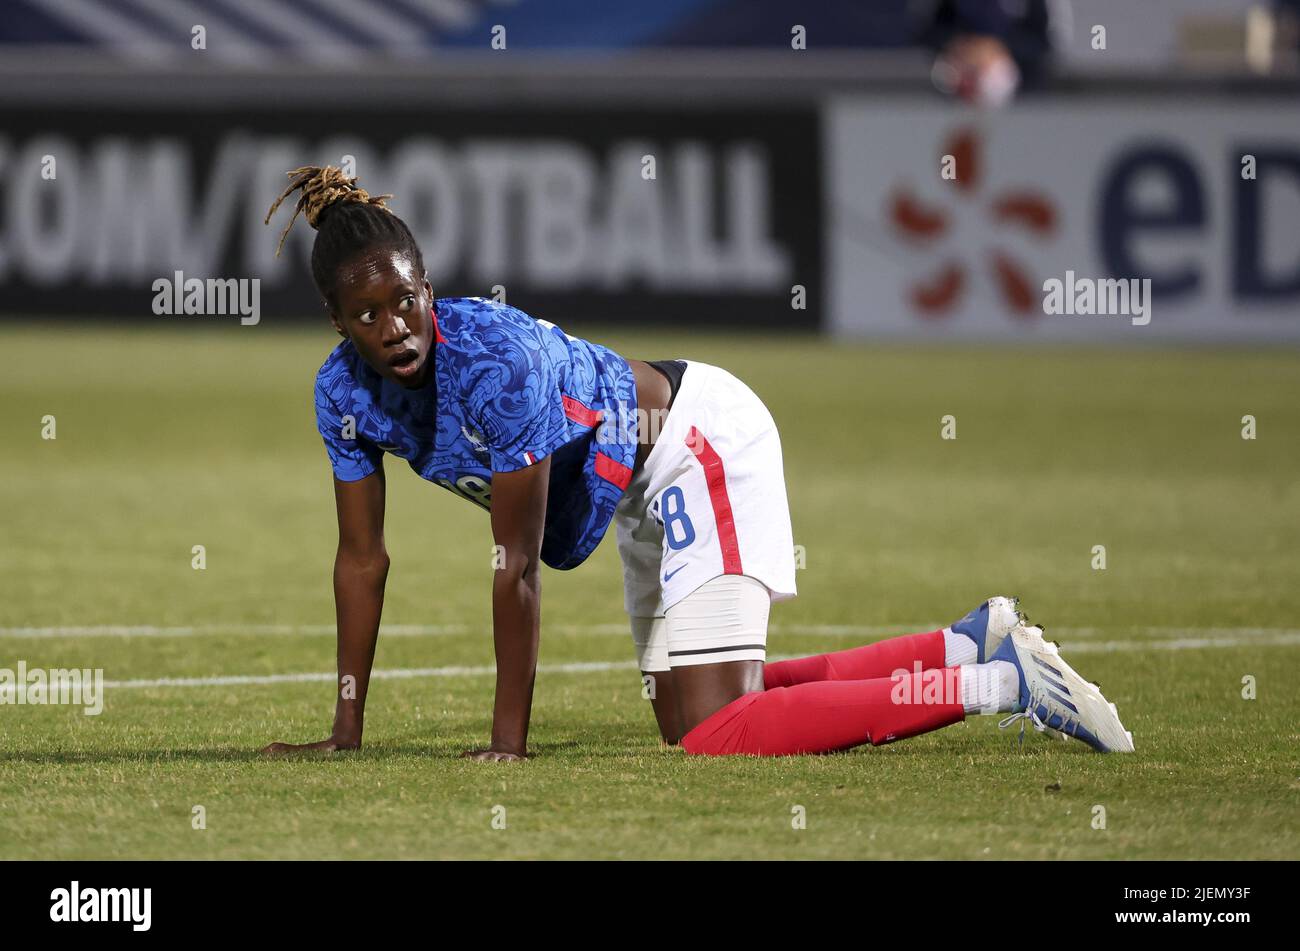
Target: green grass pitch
{"type": "Point", "coordinates": [167, 440]}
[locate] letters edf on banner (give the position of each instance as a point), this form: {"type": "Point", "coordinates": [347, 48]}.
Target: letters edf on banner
{"type": "Point", "coordinates": [1195, 202]}
{"type": "Point", "coordinates": [690, 217]}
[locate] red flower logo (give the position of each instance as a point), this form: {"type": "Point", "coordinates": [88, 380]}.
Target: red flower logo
{"type": "Point", "coordinates": [938, 294]}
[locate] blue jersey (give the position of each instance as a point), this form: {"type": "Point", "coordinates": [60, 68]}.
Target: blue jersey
{"type": "Point", "coordinates": [507, 392]}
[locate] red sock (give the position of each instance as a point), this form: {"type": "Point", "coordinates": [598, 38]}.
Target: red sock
{"type": "Point", "coordinates": [831, 715]}
{"type": "Point", "coordinates": [860, 663]}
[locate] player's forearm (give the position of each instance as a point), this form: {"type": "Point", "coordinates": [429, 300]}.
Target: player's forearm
{"type": "Point", "coordinates": [358, 602]}
{"type": "Point", "coordinates": [516, 616]}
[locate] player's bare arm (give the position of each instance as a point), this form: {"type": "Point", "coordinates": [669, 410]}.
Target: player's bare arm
{"type": "Point", "coordinates": [360, 571]}
{"type": "Point", "coordinates": [518, 519]}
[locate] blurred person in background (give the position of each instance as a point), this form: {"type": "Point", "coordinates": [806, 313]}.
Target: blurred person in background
{"type": "Point", "coordinates": [985, 48]}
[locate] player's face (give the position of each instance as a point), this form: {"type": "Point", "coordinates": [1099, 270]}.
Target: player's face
{"type": "Point", "coordinates": [384, 306]}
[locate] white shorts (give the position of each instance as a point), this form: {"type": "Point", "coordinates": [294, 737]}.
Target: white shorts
{"type": "Point", "coordinates": [722, 620]}
{"type": "Point", "coordinates": [709, 501]}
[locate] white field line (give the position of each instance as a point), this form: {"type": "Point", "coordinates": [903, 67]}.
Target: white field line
{"type": "Point", "coordinates": [1287, 638]}
{"type": "Point", "coordinates": [207, 630]}
{"type": "Point", "coordinates": [398, 673]}
{"type": "Point", "coordinates": [1273, 639]}
{"type": "Point", "coordinates": [864, 631]}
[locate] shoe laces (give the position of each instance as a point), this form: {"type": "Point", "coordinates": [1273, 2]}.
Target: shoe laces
{"type": "Point", "coordinates": [1030, 713]}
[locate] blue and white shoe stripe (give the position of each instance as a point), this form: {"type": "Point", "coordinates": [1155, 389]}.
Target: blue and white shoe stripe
{"type": "Point", "coordinates": [1056, 699]}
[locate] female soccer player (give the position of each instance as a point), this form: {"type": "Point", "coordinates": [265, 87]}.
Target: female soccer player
{"type": "Point", "coordinates": [556, 437]}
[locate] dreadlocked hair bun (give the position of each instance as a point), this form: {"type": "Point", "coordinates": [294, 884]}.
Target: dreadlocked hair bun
{"type": "Point", "coordinates": [349, 221]}
{"type": "Point", "coordinates": [319, 188]}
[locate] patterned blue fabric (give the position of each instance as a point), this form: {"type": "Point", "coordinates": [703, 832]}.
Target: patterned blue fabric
{"type": "Point", "coordinates": [497, 403]}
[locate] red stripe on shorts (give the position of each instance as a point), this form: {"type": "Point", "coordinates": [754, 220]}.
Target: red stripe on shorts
{"type": "Point", "coordinates": [611, 470]}
{"type": "Point", "coordinates": [716, 479]}
{"type": "Point", "coordinates": [580, 414]}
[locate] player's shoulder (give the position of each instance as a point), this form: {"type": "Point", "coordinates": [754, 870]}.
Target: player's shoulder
{"type": "Point", "coordinates": [486, 337]}
{"type": "Point", "coordinates": [340, 375]}
{"type": "Point", "coordinates": [481, 317]}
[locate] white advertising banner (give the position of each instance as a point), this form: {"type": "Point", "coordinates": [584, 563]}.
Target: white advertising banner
{"type": "Point", "coordinates": [1079, 219]}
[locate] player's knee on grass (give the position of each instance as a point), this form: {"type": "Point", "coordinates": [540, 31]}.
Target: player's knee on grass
{"type": "Point", "coordinates": [717, 641]}
{"type": "Point", "coordinates": [714, 640]}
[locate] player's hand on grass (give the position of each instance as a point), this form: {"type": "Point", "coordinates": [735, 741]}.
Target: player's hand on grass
{"type": "Point", "coordinates": [332, 745]}
{"type": "Point", "coordinates": [494, 756]}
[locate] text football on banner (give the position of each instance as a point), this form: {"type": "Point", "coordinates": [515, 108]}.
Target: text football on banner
{"type": "Point", "coordinates": [599, 214]}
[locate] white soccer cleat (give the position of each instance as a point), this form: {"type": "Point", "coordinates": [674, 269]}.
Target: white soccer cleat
{"type": "Point", "coordinates": [1056, 699]}
{"type": "Point", "coordinates": [989, 624]}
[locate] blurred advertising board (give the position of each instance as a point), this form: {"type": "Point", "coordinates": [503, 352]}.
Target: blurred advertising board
{"type": "Point", "coordinates": [690, 216]}
{"type": "Point", "coordinates": [1075, 218]}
